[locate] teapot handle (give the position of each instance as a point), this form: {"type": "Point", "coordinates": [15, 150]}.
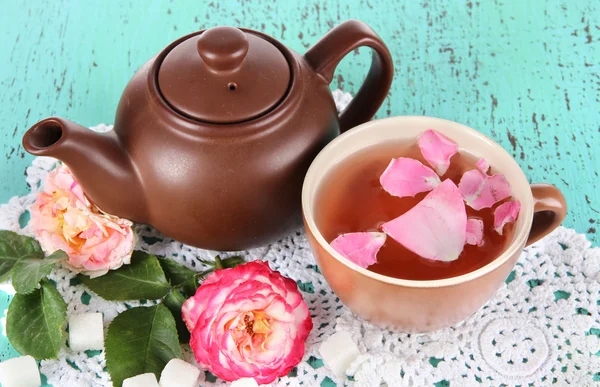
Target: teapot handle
{"type": "Point", "coordinates": [327, 53]}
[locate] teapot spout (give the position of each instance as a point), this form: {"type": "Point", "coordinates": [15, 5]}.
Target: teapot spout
{"type": "Point", "coordinates": [98, 161]}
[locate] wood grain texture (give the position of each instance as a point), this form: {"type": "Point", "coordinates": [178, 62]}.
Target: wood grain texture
{"type": "Point", "coordinates": [525, 73]}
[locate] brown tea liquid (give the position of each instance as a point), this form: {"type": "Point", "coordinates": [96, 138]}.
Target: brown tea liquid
{"type": "Point", "coordinates": [351, 199]}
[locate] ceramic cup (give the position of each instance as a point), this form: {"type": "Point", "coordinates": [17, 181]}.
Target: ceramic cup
{"type": "Point", "coordinates": [422, 306]}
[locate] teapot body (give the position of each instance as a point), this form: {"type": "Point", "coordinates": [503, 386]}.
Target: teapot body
{"type": "Point", "coordinates": [213, 136]}
{"type": "Point", "coordinates": [225, 187]}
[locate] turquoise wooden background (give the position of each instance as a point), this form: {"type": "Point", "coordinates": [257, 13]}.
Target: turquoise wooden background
{"type": "Point", "coordinates": [524, 72]}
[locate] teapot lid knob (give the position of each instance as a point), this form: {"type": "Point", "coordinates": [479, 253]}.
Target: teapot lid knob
{"type": "Point", "coordinates": [223, 48]}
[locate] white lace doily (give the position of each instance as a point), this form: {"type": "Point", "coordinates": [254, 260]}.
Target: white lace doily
{"type": "Point", "coordinates": [541, 329]}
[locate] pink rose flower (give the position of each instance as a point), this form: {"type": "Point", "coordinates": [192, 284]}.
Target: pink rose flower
{"type": "Point", "coordinates": [248, 322]}
{"type": "Point", "coordinates": [62, 218]}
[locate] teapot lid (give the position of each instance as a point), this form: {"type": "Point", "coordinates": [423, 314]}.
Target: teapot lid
{"type": "Point", "coordinates": [224, 75]}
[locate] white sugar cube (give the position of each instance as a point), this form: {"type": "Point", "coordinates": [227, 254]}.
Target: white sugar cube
{"type": "Point", "coordinates": [143, 380]}
{"type": "Point", "coordinates": [338, 352]}
{"type": "Point", "coordinates": [178, 373]}
{"type": "Point", "coordinates": [86, 332]}
{"type": "Point", "coordinates": [244, 382]}
{"type": "Point", "coordinates": [20, 372]}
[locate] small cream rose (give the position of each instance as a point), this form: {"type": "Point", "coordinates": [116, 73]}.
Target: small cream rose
{"type": "Point", "coordinates": [62, 218]}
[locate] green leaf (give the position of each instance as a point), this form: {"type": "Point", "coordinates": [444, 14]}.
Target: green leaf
{"type": "Point", "coordinates": [174, 301]}
{"type": "Point", "coordinates": [29, 270]}
{"type": "Point", "coordinates": [143, 279]}
{"type": "Point", "coordinates": [14, 247]}
{"type": "Point", "coordinates": [58, 256]}
{"type": "Point", "coordinates": [140, 340]}
{"type": "Point", "coordinates": [226, 263]}
{"type": "Point", "coordinates": [180, 276]}
{"type": "Point", "coordinates": [232, 262]}
{"type": "Point", "coordinates": [34, 322]}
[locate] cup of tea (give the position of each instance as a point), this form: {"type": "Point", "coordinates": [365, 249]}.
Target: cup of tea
{"type": "Point", "coordinates": [340, 194]}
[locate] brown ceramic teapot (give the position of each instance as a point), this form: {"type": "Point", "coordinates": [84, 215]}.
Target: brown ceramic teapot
{"type": "Point", "coordinates": [213, 136]}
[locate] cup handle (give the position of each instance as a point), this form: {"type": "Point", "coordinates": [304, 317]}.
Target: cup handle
{"type": "Point", "coordinates": [549, 211]}
{"type": "Point", "coordinates": [327, 53]}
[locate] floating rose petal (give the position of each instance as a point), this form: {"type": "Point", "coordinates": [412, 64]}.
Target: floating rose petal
{"type": "Point", "coordinates": [408, 177]}
{"type": "Point", "coordinates": [437, 150]}
{"type": "Point", "coordinates": [436, 227]}
{"type": "Point", "coordinates": [474, 231]}
{"type": "Point", "coordinates": [506, 213]}
{"type": "Point", "coordinates": [482, 165]}
{"type": "Point", "coordinates": [483, 191]}
{"type": "Point", "coordinates": [359, 247]}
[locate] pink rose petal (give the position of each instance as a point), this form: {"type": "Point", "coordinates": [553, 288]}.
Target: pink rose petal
{"type": "Point", "coordinates": [482, 165]}
{"type": "Point", "coordinates": [506, 213]}
{"type": "Point", "coordinates": [437, 150]}
{"type": "Point", "coordinates": [474, 231]}
{"type": "Point", "coordinates": [436, 227]}
{"type": "Point", "coordinates": [483, 191]}
{"type": "Point", "coordinates": [359, 247]}
{"type": "Point", "coordinates": [408, 177]}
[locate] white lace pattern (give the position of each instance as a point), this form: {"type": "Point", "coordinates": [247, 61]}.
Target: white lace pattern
{"type": "Point", "coordinates": [541, 329]}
